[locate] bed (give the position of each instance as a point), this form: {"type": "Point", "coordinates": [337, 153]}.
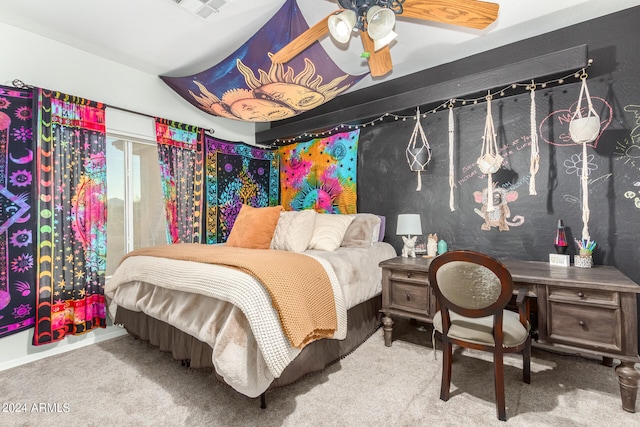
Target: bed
{"type": "Point", "coordinates": [212, 313]}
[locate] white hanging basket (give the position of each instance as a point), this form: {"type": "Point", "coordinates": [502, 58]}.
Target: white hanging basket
{"type": "Point", "coordinates": [489, 160]}
{"type": "Point", "coordinates": [584, 130]}
{"type": "Point", "coordinates": [490, 163]}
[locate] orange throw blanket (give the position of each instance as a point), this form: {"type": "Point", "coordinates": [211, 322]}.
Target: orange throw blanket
{"type": "Point", "coordinates": [299, 286]}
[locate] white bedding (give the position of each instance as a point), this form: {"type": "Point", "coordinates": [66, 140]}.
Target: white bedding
{"type": "Point", "coordinates": [232, 312]}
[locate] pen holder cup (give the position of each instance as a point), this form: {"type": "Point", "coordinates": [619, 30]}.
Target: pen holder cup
{"type": "Point", "coordinates": [583, 261]}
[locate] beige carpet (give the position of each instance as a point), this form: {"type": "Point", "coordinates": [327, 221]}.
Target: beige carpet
{"type": "Point", "coordinates": [124, 382]}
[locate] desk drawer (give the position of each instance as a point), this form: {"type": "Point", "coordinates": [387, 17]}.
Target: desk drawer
{"type": "Point", "coordinates": [586, 326]}
{"type": "Point", "coordinates": [410, 297]}
{"type": "Point", "coordinates": [410, 276]}
{"type": "Point", "coordinates": [584, 296]}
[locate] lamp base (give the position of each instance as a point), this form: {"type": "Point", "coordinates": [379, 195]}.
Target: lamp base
{"type": "Point", "coordinates": [561, 249]}
{"type": "Point", "coordinates": [409, 251]}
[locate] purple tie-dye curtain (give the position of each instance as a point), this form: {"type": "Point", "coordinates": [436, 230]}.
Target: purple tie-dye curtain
{"type": "Point", "coordinates": [72, 219]}
{"type": "Point", "coordinates": [247, 86]}
{"type": "Point", "coordinates": [17, 219]}
{"type": "Point", "coordinates": [181, 163]}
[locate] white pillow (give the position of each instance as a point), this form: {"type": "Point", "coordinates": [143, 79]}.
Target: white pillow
{"type": "Point", "coordinates": [329, 231]}
{"type": "Point", "coordinates": [293, 231]}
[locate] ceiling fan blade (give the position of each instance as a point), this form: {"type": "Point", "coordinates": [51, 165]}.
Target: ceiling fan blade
{"type": "Point", "coordinates": [466, 13]}
{"type": "Point", "coordinates": [303, 41]}
{"type": "Point", "coordinates": [380, 60]}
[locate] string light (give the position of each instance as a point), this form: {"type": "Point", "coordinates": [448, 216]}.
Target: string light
{"type": "Point", "coordinates": [443, 106]}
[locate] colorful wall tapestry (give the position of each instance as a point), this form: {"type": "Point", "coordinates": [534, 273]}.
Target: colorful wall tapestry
{"type": "Point", "coordinates": [17, 221]}
{"type": "Point", "coordinates": [320, 174]}
{"type": "Point", "coordinates": [237, 174]}
{"type": "Point", "coordinates": [72, 238]}
{"type": "Point", "coordinates": [248, 86]}
{"type": "Point", "coordinates": [180, 156]}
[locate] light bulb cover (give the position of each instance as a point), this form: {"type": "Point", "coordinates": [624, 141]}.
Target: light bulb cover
{"type": "Point", "coordinates": [341, 25]}
{"type": "Point", "coordinates": [380, 43]}
{"type": "Point", "coordinates": [380, 22]}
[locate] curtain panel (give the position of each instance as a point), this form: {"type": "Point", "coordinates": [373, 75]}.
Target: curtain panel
{"type": "Point", "coordinates": [320, 174]}
{"type": "Point", "coordinates": [17, 219]}
{"type": "Point", "coordinates": [72, 241]}
{"type": "Point", "coordinates": [180, 156]}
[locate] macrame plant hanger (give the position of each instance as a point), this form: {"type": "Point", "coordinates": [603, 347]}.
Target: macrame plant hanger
{"type": "Point", "coordinates": [451, 168]}
{"type": "Point", "coordinates": [489, 161]}
{"type": "Point", "coordinates": [418, 155]}
{"type": "Point", "coordinates": [584, 130]}
{"type": "Point", "coordinates": [535, 149]}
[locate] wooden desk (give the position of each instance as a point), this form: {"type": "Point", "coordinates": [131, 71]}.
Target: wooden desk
{"type": "Point", "coordinates": [579, 310]}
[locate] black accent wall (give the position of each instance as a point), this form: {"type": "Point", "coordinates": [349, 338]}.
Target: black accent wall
{"type": "Point", "coordinates": [386, 185]}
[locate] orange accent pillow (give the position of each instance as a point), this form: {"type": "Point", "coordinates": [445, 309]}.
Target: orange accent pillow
{"type": "Point", "coordinates": [254, 227]}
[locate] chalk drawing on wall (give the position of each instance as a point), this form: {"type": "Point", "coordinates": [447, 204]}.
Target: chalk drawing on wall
{"type": "Point", "coordinates": [555, 127]}
{"type": "Point", "coordinates": [574, 164]}
{"type": "Point", "coordinates": [628, 151]}
{"type": "Point", "coordinates": [633, 196]}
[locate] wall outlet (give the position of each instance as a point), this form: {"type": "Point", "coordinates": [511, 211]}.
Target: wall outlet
{"type": "Point", "coordinates": [560, 260]}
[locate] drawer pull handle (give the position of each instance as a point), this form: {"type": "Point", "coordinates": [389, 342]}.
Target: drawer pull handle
{"type": "Point", "coordinates": [408, 275]}
{"type": "Point", "coordinates": [580, 294]}
{"type": "Point", "coordinates": [408, 297]}
{"type": "Point", "coordinates": [581, 322]}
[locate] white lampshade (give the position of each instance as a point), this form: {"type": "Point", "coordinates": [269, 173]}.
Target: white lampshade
{"type": "Point", "coordinates": [409, 224]}
{"type": "Point", "coordinates": [380, 22]}
{"type": "Point", "coordinates": [341, 25]}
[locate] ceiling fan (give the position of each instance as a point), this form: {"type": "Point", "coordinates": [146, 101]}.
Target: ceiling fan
{"type": "Point", "coordinates": [374, 21]}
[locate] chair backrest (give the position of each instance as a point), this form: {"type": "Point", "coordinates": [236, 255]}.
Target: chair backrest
{"type": "Point", "coordinates": [470, 283]}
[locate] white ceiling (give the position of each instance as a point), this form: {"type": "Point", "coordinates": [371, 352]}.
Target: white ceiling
{"type": "Point", "coordinates": [160, 38]}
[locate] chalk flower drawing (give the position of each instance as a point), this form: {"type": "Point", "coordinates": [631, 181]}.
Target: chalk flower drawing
{"type": "Point", "coordinates": [574, 164]}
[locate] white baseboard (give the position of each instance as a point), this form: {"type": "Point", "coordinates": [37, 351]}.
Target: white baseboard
{"type": "Point", "coordinates": [17, 349]}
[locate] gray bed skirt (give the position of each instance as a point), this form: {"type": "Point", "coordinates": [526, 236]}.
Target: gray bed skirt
{"type": "Point", "coordinates": [362, 321]}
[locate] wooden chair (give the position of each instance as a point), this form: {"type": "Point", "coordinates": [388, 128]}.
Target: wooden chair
{"type": "Point", "coordinates": [473, 290]}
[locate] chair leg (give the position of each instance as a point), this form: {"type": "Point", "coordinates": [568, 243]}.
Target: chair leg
{"type": "Point", "coordinates": [447, 350]}
{"type": "Point", "coordinates": [526, 363]}
{"type": "Point", "coordinates": [498, 364]}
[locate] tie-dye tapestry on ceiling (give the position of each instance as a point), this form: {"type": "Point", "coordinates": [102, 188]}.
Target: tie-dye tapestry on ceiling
{"type": "Point", "coordinates": [320, 174]}
{"type": "Point", "coordinates": [17, 221]}
{"type": "Point", "coordinates": [248, 86]}
{"type": "Point", "coordinates": [236, 174]}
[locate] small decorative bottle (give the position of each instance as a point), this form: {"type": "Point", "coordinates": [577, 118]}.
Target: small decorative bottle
{"type": "Point", "coordinates": [561, 239]}
{"type": "Point", "coordinates": [442, 247]}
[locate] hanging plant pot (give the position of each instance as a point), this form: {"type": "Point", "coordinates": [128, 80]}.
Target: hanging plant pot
{"type": "Point", "coordinates": [418, 158]}
{"type": "Point", "coordinates": [584, 130]}
{"type": "Point", "coordinates": [418, 154]}
{"type": "Point", "coordinates": [490, 163]}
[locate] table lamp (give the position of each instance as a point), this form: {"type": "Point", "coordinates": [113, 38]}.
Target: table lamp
{"type": "Point", "coordinates": [408, 225]}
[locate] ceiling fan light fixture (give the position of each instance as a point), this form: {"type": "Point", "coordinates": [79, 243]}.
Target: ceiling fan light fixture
{"type": "Point", "coordinates": [341, 25]}
{"type": "Point", "coordinates": [380, 43]}
{"type": "Point", "coordinates": [380, 22]}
